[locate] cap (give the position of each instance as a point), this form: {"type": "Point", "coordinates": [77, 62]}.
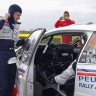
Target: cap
{"type": "Point", "coordinates": [14, 8]}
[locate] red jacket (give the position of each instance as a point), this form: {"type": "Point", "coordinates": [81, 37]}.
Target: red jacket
{"type": "Point", "coordinates": [65, 39]}
{"type": "Point", "coordinates": [64, 23]}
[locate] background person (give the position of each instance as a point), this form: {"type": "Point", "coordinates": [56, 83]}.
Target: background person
{"type": "Point", "coordinates": [62, 22]}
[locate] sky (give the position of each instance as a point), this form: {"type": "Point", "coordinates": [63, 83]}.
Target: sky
{"type": "Point", "coordinates": [44, 13]}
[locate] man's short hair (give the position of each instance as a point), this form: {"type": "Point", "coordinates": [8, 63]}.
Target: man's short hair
{"type": "Point", "coordinates": [66, 12]}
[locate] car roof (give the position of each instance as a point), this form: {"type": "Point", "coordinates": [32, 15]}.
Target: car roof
{"type": "Point", "coordinates": [78, 27]}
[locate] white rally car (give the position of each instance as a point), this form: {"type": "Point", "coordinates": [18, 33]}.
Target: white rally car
{"type": "Point", "coordinates": [45, 56]}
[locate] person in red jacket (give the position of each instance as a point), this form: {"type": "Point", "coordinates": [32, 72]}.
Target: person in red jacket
{"type": "Point", "coordinates": [62, 22]}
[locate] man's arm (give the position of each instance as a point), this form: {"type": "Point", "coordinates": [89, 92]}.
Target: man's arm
{"type": "Point", "coordinates": [1, 23]}
{"type": "Point", "coordinates": [20, 42]}
{"type": "Point", "coordinates": [57, 24]}
{"type": "Point", "coordinates": [72, 22]}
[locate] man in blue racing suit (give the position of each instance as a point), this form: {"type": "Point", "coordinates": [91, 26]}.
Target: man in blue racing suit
{"type": "Point", "coordinates": [9, 30]}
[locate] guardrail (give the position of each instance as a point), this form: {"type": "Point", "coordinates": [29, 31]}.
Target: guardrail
{"type": "Point", "coordinates": [24, 35]}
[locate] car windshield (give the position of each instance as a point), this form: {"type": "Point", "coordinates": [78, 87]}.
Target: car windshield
{"type": "Point", "coordinates": [89, 53]}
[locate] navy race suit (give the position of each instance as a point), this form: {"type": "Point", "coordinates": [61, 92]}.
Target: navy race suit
{"type": "Point", "coordinates": [9, 31]}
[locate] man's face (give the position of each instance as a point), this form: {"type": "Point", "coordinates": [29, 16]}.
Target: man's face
{"type": "Point", "coordinates": [16, 16]}
{"type": "Point", "coordinates": [66, 16]}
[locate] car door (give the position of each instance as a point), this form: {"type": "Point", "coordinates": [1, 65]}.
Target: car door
{"type": "Point", "coordinates": [85, 84]}
{"type": "Point", "coordinates": [26, 68]}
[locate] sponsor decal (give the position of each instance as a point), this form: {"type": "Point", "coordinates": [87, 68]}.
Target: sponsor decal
{"type": "Point", "coordinates": [22, 69]}
{"type": "Point", "coordinates": [86, 78]}
{"type": "Point", "coordinates": [86, 72]}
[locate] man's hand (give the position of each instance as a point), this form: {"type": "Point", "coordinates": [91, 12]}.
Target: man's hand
{"type": "Point", "coordinates": [61, 18]}
{"type": "Point", "coordinates": [7, 15]}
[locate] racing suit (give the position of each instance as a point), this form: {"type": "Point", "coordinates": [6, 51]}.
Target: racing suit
{"type": "Point", "coordinates": [66, 74]}
{"type": "Point", "coordinates": [9, 31]}
{"type": "Point", "coordinates": [63, 23]}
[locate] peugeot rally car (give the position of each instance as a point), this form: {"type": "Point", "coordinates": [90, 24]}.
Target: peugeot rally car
{"type": "Point", "coordinates": [44, 56]}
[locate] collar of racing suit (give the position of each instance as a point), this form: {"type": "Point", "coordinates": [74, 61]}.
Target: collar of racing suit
{"type": "Point", "coordinates": [12, 22]}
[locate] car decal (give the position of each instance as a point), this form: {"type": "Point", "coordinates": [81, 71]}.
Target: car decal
{"type": "Point", "coordinates": [86, 72]}
{"type": "Point", "coordinates": [21, 70]}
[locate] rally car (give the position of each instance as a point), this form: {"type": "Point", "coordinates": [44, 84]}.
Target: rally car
{"type": "Point", "coordinates": [44, 56]}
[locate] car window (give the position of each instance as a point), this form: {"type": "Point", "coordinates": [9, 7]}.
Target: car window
{"type": "Point", "coordinates": [89, 53]}
{"type": "Point", "coordinates": [56, 40]}
{"type": "Point", "coordinates": [45, 41]}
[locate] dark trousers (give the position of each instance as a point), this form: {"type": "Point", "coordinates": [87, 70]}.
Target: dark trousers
{"type": "Point", "coordinates": [7, 74]}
